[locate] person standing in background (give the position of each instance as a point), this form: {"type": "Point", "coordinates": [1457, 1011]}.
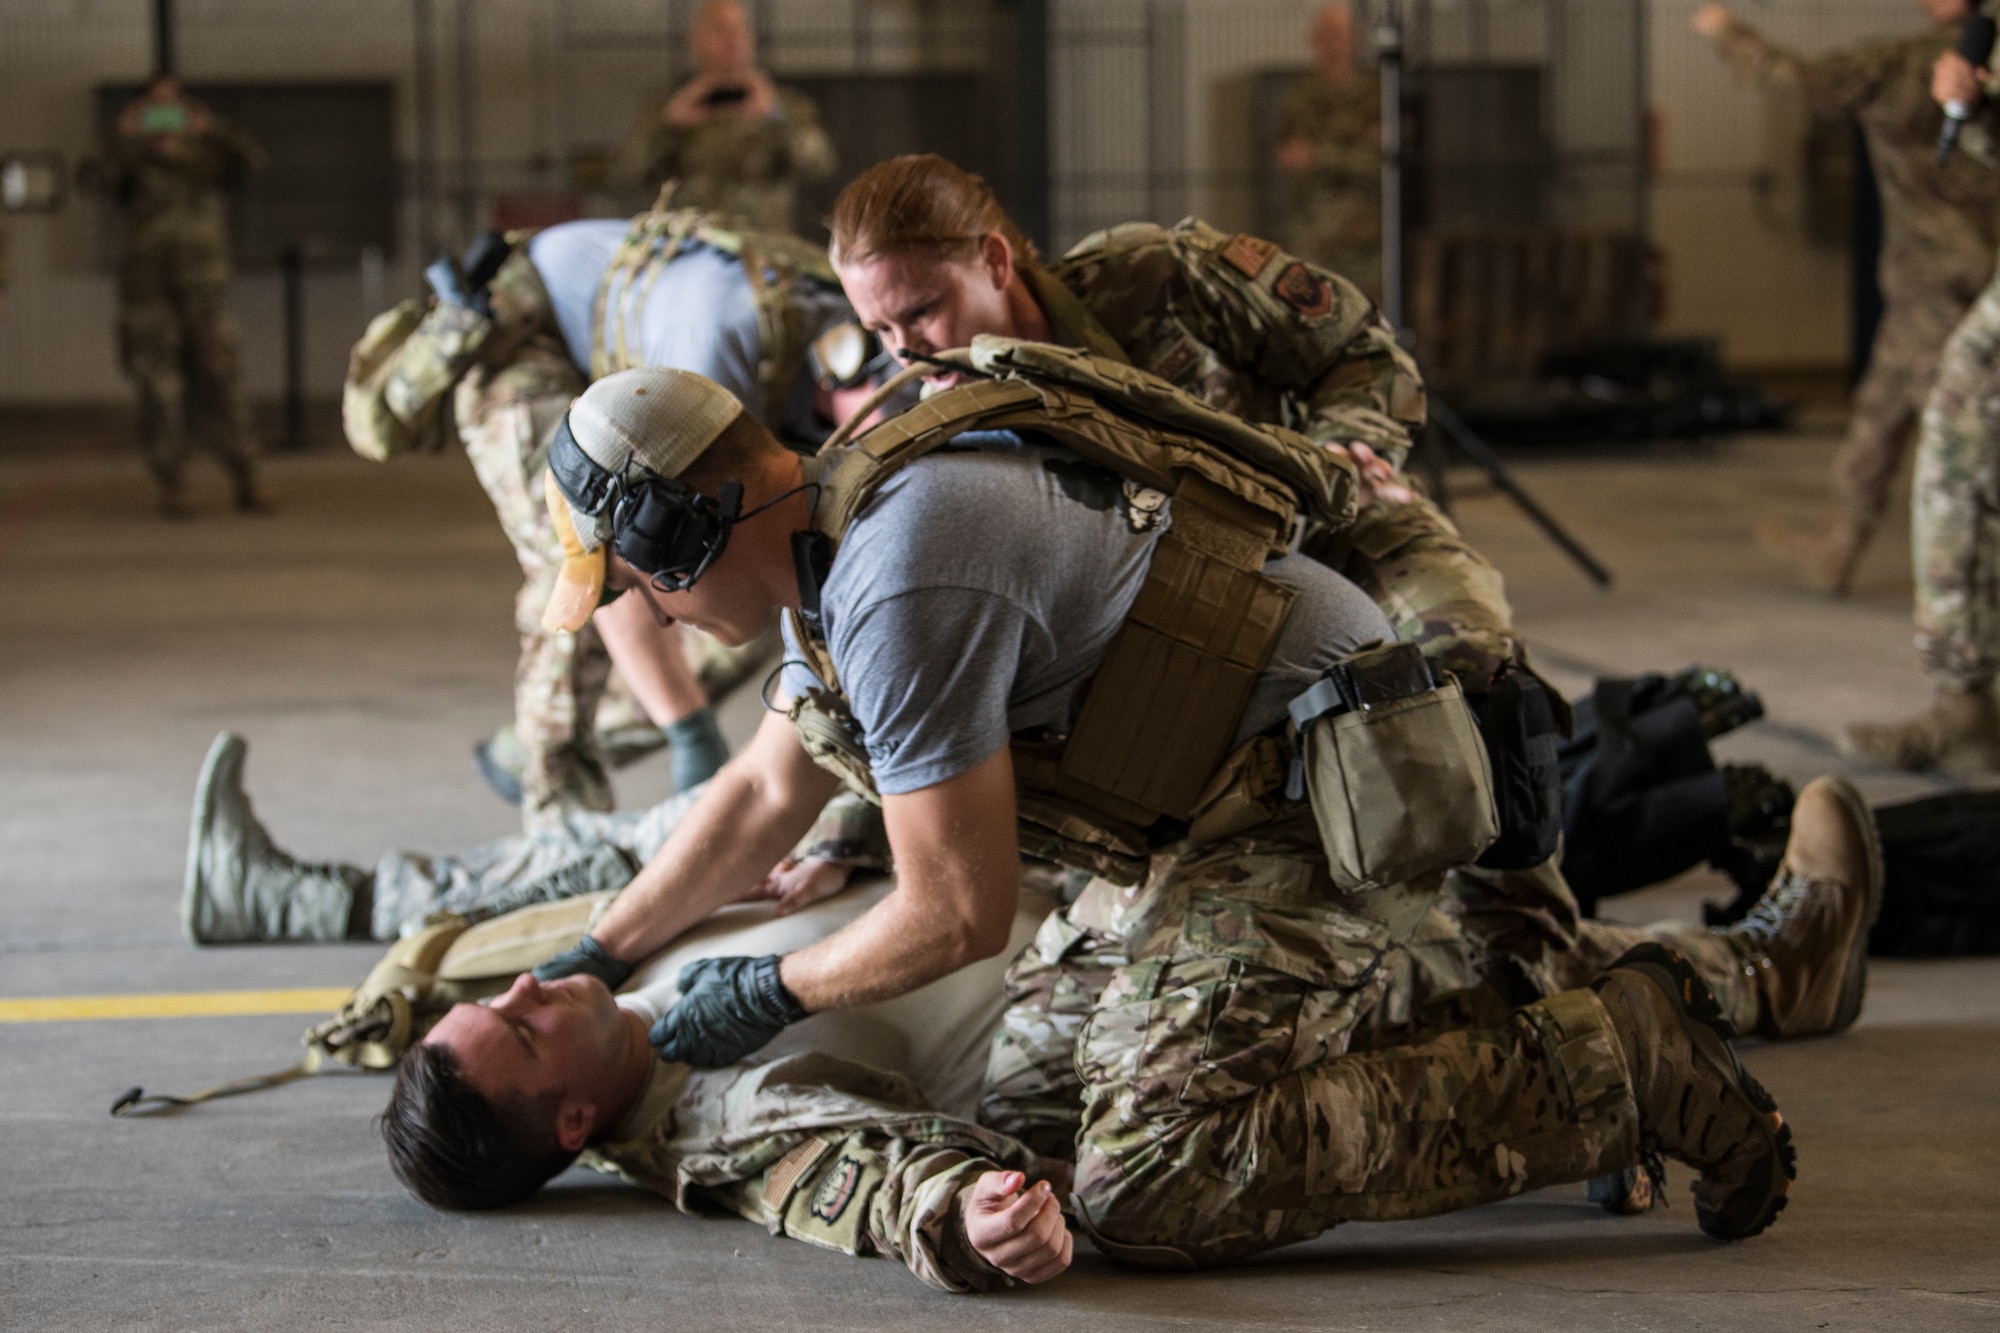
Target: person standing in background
{"type": "Point", "coordinates": [730, 139]}
{"type": "Point", "coordinates": [166, 164]}
{"type": "Point", "coordinates": [1937, 252]}
{"type": "Point", "coordinates": [1955, 519]}
{"type": "Point", "coordinates": [1330, 149]}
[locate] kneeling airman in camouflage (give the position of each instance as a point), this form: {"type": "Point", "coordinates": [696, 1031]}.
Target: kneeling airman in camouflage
{"type": "Point", "coordinates": [1050, 610]}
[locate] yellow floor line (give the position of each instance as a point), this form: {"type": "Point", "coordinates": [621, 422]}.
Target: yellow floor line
{"type": "Point", "coordinates": [185, 1004]}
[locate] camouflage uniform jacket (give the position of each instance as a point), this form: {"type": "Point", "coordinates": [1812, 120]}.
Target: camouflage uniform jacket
{"type": "Point", "coordinates": [1241, 324]}
{"type": "Point", "coordinates": [1342, 122]}
{"type": "Point", "coordinates": [733, 164]}
{"type": "Point", "coordinates": [169, 191]}
{"type": "Point", "coordinates": [828, 1152]}
{"type": "Point", "coordinates": [1938, 222]}
{"type": "Point", "coordinates": [1271, 338]}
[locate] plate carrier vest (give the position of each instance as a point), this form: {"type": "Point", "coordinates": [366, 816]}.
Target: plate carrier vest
{"type": "Point", "coordinates": [1149, 750]}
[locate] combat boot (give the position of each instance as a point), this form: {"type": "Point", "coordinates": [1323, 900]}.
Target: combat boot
{"type": "Point", "coordinates": [239, 887]}
{"type": "Point", "coordinates": [501, 759]}
{"type": "Point", "coordinates": [1805, 943]}
{"type": "Point", "coordinates": [1959, 733]}
{"type": "Point", "coordinates": [1696, 1103]}
{"type": "Point", "coordinates": [1828, 562]}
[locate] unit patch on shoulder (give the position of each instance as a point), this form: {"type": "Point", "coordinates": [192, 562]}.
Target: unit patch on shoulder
{"type": "Point", "coordinates": [1304, 291]}
{"type": "Point", "coordinates": [835, 1192]}
{"type": "Point", "coordinates": [1248, 254]}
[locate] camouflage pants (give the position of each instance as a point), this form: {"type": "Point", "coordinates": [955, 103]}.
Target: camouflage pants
{"type": "Point", "coordinates": [1955, 506]}
{"type": "Point", "coordinates": [178, 345]}
{"type": "Point", "coordinates": [1527, 922]}
{"type": "Point", "coordinates": [1444, 596]}
{"type": "Point", "coordinates": [585, 852]}
{"type": "Point", "coordinates": [506, 417]}
{"type": "Point", "coordinates": [1902, 367]}
{"type": "Point", "coordinates": [831, 1153]}
{"type": "Point", "coordinates": [1255, 1062]}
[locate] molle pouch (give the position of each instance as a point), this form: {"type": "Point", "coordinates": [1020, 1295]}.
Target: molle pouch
{"type": "Point", "coordinates": [828, 732]}
{"type": "Point", "coordinates": [1391, 761]}
{"type": "Point", "coordinates": [397, 395]}
{"type": "Point", "coordinates": [1517, 721]}
{"type": "Point", "coordinates": [439, 352]}
{"type": "Point", "coordinates": [374, 431]}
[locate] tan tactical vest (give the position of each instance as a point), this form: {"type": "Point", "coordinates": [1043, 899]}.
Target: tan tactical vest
{"type": "Point", "coordinates": [774, 263]}
{"type": "Point", "coordinates": [1151, 742]}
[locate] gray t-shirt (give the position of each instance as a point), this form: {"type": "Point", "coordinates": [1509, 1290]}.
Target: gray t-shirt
{"type": "Point", "coordinates": [982, 586]}
{"type": "Point", "coordinates": [696, 314]}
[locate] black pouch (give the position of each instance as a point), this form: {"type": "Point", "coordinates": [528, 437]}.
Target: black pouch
{"type": "Point", "coordinates": [1517, 720]}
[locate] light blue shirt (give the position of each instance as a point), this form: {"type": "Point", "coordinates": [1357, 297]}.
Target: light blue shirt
{"type": "Point", "coordinates": [696, 314]}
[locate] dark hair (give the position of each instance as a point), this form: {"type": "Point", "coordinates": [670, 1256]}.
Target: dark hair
{"type": "Point", "coordinates": [919, 202]}
{"type": "Point", "coordinates": [454, 1149]}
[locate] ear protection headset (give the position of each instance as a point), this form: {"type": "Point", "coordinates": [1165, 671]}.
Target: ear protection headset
{"type": "Point", "coordinates": [663, 528]}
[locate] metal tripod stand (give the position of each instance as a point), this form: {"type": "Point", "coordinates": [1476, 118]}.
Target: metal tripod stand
{"type": "Point", "coordinates": [1389, 47]}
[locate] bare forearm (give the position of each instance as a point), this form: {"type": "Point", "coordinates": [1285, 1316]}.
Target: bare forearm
{"type": "Point", "coordinates": [752, 814]}
{"type": "Point", "coordinates": [899, 945]}
{"type": "Point", "coordinates": [958, 874]}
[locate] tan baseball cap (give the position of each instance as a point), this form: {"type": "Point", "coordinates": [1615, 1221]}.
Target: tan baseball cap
{"type": "Point", "coordinates": [646, 420]}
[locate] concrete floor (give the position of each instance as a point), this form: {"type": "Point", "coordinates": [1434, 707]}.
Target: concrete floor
{"type": "Point", "coordinates": [360, 638]}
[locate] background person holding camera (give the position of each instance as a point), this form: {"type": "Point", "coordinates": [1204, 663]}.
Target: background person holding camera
{"type": "Point", "coordinates": [730, 139]}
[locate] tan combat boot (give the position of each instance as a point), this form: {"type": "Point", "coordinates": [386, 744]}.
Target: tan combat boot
{"type": "Point", "coordinates": [240, 889]}
{"type": "Point", "coordinates": [1827, 561]}
{"type": "Point", "coordinates": [1805, 943]}
{"type": "Point", "coordinates": [1696, 1103]}
{"type": "Point", "coordinates": [1959, 733]}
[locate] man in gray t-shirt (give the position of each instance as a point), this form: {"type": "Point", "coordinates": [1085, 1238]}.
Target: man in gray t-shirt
{"type": "Point", "coordinates": [1250, 1053]}
{"type": "Point", "coordinates": [951, 635]}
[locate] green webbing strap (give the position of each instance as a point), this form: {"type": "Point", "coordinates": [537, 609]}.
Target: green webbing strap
{"type": "Point", "coordinates": [137, 1101]}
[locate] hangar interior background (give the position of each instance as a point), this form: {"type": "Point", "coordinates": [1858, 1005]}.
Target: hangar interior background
{"type": "Point", "coordinates": [1527, 115]}
{"type": "Point", "coordinates": [361, 635]}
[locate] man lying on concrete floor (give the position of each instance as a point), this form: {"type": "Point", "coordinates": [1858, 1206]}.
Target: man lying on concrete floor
{"type": "Point", "coordinates": [1219, 1010]}
{"type": "Point", "coordinates": [1791, 967]}
{"type": "Point", "coordinates": [830, 1135]}
{"type": "Point", "coordinates": [815, 1140]}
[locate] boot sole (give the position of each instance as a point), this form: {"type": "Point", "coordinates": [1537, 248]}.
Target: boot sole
{"type": "Point", "coordinates": [1764, 1194]}
{"type": "Point", "coordinates": [1855, 989]}
{"type": "Point", "coordinates": [226, 747]}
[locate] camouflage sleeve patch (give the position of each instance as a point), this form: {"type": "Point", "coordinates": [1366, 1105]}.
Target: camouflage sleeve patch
{"type": "Point", "coordinates": [828, 1203]}
{"type": "Point", "coordinates": [1248, 254]}
{"type": "Point", "coordinates": [1304, 291]}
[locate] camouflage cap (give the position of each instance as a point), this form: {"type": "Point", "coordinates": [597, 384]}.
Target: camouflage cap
{"type": "Point", "coordinates": [651, 420]}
